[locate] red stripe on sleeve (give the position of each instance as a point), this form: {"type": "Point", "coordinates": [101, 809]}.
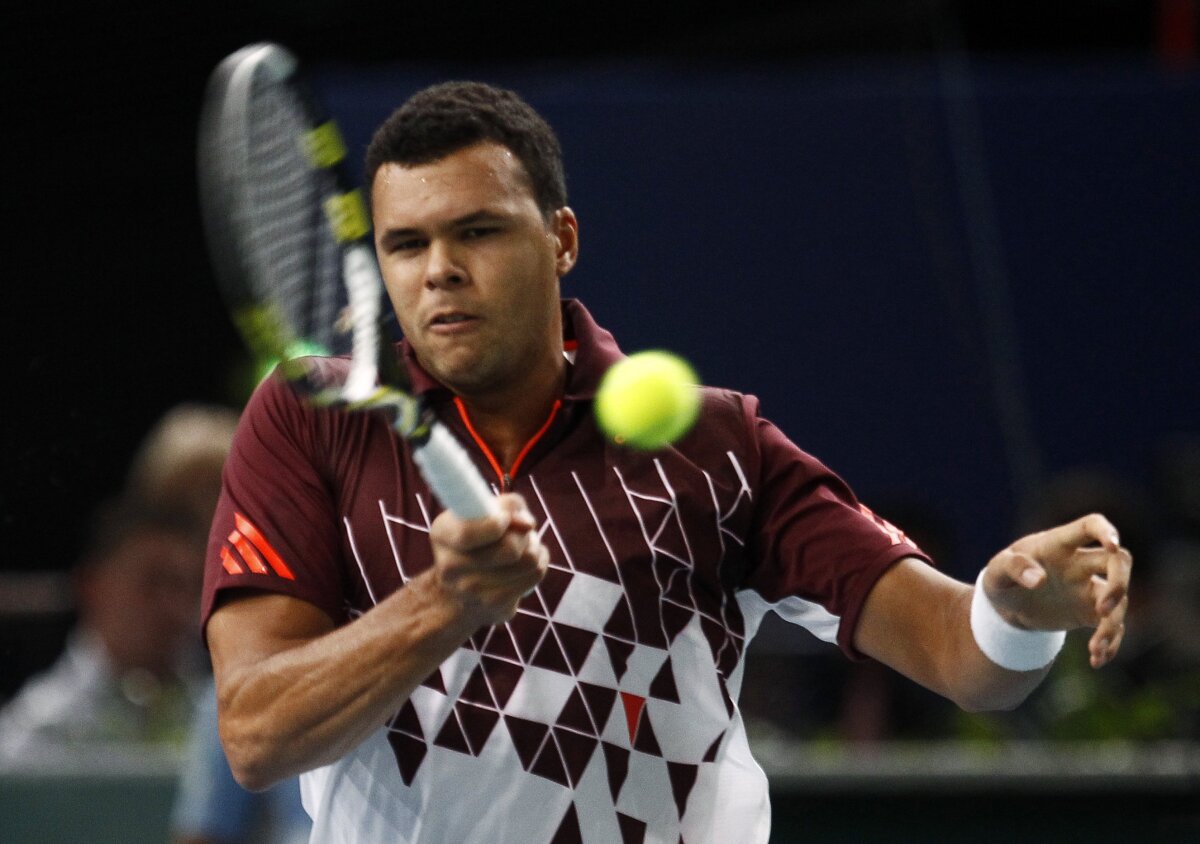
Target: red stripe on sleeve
{"type": "Point", "coordinates": [260, 542]}
{"type": "Point", "coordinates": [249, 555]}
{"type": "Point", "coordinates": [230, 564]}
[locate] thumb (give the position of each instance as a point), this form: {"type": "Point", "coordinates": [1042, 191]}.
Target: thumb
{"type": "Point", "coordinates": [1014, 569]}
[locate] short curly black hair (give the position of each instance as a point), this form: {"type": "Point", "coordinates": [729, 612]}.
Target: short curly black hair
{"type": "Point", "coordinates": [450, 116]}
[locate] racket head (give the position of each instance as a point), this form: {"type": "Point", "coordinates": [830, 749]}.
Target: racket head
{"type": "Point", "coordinates": [291, 244]}
{"type": "Point", "coordinates": [284, 222]}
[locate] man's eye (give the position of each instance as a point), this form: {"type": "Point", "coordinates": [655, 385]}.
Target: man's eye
{"type": "Point", "coordinates": [478, 231]}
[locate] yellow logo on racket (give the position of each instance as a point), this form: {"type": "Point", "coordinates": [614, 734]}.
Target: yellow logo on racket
{"type": "Point", "coordinates": [324, 146]}
{"type": "Point", "coordinates": [347, 214]}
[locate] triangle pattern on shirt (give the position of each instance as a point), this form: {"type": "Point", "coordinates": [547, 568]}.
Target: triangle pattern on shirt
{"type": "Point", "coordinates": [663, 686]}
{"type": "Point", "coordinates": [616, 761]}
{"type": "Point", "coordinates": [639, 618]}
{"type": "Point", "coordinates": [599, 702]}
{"type": "Point", "coordinates": [527, 632]}
{"type": "Point", "coordinates": [568, 831]}
{"type": "Point", "coordinates": [527, 737]}
{"type": "Point", "coordinates": [646, 741]}
{"type": "Point", "coordinates": [552, 588]}
{"type": "Point", "coordinates": [549, 764]}
{"type": "Point", "coordinates": [576, 751]}
{"type": "Point", "coordinates": [576, 643]}
{"type": "Point", "coordinates": [435, 681]}
{"type": "Point", "coordinates": [499, 643]}
{"type": "Point", "coordinates": [633, 831]}
{"type": "Point", "coordinates": [502, 678]}
{"type": "Point", "coordinates": [452, 736]}
{"type": "Point", "coordinates": [409, 753]}
{"type": "Point", "coordinates": [683, 777]}
{"type": "Point", "coordinates": [407, 722]}
{"type": "Point", "coordinates": [618, 652]}
{"type": "Point", "coordinates": [477, 723]}
{"type": "Point", "coordinates": [660, 521]}
{"type": "Point", "coordinates": [550, 655]}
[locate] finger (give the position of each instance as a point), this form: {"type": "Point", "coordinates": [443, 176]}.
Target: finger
{"type": "Point", "coordinates": [1084, 531]}
{"type": "Point", "coordinates": [519, 515]}
{"type": "Point", "coordinates": [464, 535]}
{"type": "Point", "coordinates": [1016, 569]}
{"type": "Point", "coordinates": [1116, 581]}
{"type": "Point", "coordinates": [511, 578]}
{"type": "Point", "coordinates": [1105, 642]}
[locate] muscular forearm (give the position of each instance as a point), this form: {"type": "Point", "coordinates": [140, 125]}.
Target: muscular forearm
{"type": "Point", "coordinates": [306, 705]}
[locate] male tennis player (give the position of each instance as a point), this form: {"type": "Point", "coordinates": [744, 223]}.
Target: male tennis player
{"type": "Point", "coordinates": [569, 669]}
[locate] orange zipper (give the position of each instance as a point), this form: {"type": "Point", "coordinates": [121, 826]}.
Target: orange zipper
{"type": "Point", "coordinates": [504, 477]}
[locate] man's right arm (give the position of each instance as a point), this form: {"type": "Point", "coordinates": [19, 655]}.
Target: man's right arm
{"type": "Point", "coordinates": [295, 692]}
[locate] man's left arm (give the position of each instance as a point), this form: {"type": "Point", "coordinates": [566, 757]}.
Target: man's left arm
{"type": "Point", "coordinates": [918, 620]}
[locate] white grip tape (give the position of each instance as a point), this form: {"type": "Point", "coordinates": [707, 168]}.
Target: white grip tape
{"type": "Point", "coordinates": [1008, 646]}
{"type": "Point", "coordinates": [453, 477]}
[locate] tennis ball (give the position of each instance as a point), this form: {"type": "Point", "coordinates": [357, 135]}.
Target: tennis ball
{"type": "Point", "coordinates": [648, 400]}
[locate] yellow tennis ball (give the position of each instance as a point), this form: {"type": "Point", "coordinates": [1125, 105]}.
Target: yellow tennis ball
{"type": "Point", "coordinates": [648, 400]}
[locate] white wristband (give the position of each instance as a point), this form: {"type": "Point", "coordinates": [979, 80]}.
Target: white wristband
{"type": "Point", "coordinates": [1007, 646]}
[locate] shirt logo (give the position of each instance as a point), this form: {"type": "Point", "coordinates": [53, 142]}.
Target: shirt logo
{"type": "Point", "coordinates": [885, 527]}
{"type": "Point", "coordinates": [247, 548]}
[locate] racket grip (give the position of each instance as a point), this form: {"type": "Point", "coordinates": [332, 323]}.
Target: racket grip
{"type": "Point", "coordinates": [452, 476]}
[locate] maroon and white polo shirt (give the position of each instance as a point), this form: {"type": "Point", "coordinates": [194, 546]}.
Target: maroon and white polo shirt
{"type": "Point", "coordinates": [606, 710]}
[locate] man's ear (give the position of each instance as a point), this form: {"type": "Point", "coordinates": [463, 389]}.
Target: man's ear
{"type": "Point", "coordinates": [566, 234]}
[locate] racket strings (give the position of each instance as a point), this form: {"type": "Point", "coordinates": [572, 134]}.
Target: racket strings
{"type": "Point", "coordinates": [298, 261]}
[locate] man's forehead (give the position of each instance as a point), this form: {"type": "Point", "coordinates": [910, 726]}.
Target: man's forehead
{"type": "Point", "coordinates": [484, 169]}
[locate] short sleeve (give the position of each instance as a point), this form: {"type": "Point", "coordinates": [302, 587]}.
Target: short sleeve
{"type": "Point", "coordinates": [275, 527]}
{"type": "Point", "coordinates": [817, 550]}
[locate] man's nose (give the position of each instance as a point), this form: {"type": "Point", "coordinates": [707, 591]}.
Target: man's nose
{"type": "Point", "coordinates": [443, 266]}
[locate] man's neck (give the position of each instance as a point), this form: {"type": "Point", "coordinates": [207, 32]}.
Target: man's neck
{"type": "Point", "coordinates": [506, 421]}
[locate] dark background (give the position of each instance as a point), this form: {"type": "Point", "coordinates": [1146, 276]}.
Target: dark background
{"type": "Point", "coordinates": [1017, 296]}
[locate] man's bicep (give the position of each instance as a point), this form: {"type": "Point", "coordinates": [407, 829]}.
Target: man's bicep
{"type": "Point", "coordinates": [250, 626]}
{"type": "Point", "coordinates": [908, 622]}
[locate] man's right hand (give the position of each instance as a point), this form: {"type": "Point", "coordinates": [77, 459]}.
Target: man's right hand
{"type": "Point", "coordinates": [488, 565]}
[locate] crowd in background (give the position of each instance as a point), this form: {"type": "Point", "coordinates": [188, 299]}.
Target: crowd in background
{"type": "Point", "coordinates": [133, 683]}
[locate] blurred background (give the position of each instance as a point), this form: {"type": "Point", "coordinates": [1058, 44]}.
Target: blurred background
{"type": "Point", "coordinates": [952, 246]}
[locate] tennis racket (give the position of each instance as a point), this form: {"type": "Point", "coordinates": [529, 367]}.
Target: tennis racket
{"type": "Point", "coordinates": [290, 239]}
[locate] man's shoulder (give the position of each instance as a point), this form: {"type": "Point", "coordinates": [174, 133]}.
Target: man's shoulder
{"type": "Point", "coordinates": [723, 407]}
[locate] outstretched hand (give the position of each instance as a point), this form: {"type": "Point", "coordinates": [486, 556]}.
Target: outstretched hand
{"type": "Point", "coordinates": [1074, 575]}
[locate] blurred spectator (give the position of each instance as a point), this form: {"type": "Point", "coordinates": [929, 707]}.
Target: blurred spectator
{"type": "Point", "coordinates": [134, 677]}
{"type": "Point", "coordinates": [133, 661]}
{"type": "Point", "coordinates": [131, 666]}
{"type": "Point", "coordinates": [178, 464]}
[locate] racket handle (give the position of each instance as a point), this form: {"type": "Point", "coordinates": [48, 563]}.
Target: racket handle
{"type": "Point", "coordinates": [452, 476]}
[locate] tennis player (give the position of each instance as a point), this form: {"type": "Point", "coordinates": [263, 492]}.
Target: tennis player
{"type": "Point", "coordinates": [568, 669]}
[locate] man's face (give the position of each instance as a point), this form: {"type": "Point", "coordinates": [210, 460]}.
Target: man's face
{"type": "Point", "coordinates": [472, 267]}
{"type": "Point", "coordinates": [143, 599]}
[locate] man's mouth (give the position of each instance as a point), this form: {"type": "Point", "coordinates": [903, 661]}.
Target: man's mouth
{"type": "Point", "coordinates": [451, 320]}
